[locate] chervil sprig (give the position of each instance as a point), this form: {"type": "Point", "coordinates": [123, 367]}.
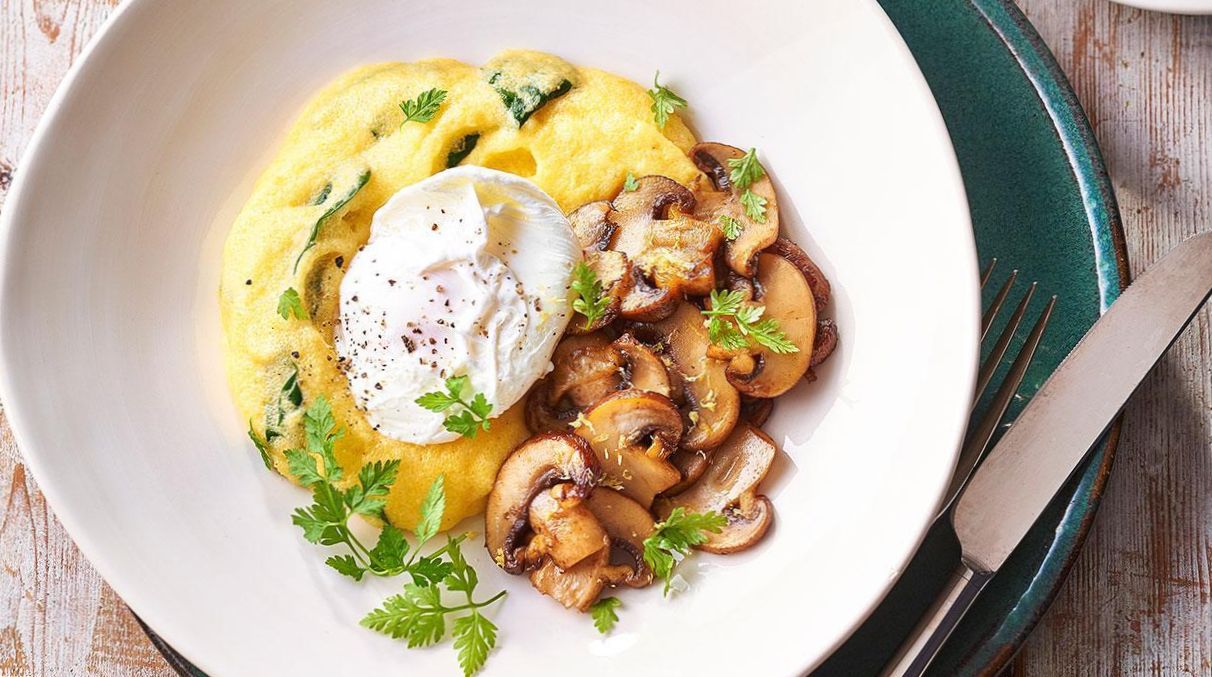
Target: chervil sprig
{"type": "Point", "coordinates": [290, 304]}
{"type": "Point", "coordinates": [664, 101]}
{"type": "Point", "coordinates": [474, 414]}
{"type": "Point", "coordinates": [673, 538]}
{"type": "Point", "coordinates": [730, 227]}
{"type": "Point", "coordinates": [603, 613]}
{"type": "Point", "coordinates": [732, 322]}
{"type": "Point", "coordinates": [630, 183]}
{"type": "Point", "coordinates": [755, 205]}
{"type": "Point", "coordinates": [419, 614]}
{"type": "Point", "coordinates": [745, 169]}
{"type": "Point", "coordinates": [424, 107]}
{"type": "Point", "coordinates": [592, 303]}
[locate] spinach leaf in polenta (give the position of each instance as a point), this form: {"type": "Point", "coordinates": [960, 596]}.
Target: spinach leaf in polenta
{"type": "Point", "coordinates": [461, 149]}
{"type": "Point", "coordinates": [526, 84]}
{"type": "Point", "coordinates": [324, 197]}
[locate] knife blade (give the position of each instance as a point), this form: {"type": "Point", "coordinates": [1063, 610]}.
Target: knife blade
{"type": "Point", "coordinates": [1075, 406]}
{"type": "Point", "coordinates": [1055, 431]}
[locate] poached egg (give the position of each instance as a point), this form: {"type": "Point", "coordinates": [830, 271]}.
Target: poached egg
{"type": "Point", "coordinates": [467, 273]}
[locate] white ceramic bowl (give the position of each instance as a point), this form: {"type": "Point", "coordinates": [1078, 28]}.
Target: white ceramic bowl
{"type": "Point", "coordinates": [111, 348]}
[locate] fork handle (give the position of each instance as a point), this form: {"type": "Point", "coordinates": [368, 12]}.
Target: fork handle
{"type": "Point", "coordinates": [927, 638]}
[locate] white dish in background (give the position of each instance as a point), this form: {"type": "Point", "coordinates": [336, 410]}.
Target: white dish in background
{"type": "Point", "coordinates": [1171, 6]}
{"type": "Point", "coordinates": [113, 379]}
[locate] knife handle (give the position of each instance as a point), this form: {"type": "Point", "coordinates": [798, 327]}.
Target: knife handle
{"type": "Point", "coordinates": [927, 638]}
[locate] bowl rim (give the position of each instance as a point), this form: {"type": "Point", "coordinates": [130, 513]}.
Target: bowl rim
{"type": "Point", "coordinates": [94, 551]}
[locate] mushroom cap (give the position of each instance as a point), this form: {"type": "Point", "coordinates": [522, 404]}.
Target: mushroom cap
{"type": "Point", "coordinates": [711, 401]}
{"type": "Point", "coordinates": [785, 293]}
{"type": "Point", "coordinates": [565, 529]}
{"type": "Point", "coordinates": [627, 523]}
{"type": "Point", "coordinates": [539, 463]}
{"type": "Point", "coordinates": [632, 432]}
{"type": "Point", "coordinates": [821, 289]}
{"type": "Point", "coordinates": [614, 272]}
{"type": "Point", "coordinates": [576, 587]}
{"type": "Point", "coordinates": [729, 486]}
{"type": "Point", "coordinates": [722, 198]}
{"type": "Point", "coordinates": [592, 225]}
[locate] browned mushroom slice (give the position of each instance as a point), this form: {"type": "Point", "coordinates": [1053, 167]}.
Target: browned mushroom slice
{"type": "Point", "coordinates": [586, 375]}
{"type": "Point", "coordinates": [592, 226]}
{"type": "Point", "coordinates": [691, 465]}
{"type": "Point", "coordinates": [627, 523]}
{"type": "Point", "coordinates": [565, 529]}
{"type": "Point", "coordinates": [539, 463]}
{"type": "Point", "coordinates": [673, 250]}
{"type": "Point", "coordinates": [825, 342]}
{"type": "Point", "coordinates": [634, 418]}
{"type": "Point", "coordinates": [632, 432]}
{"type": "Point", "coordinates": [643, 370]}
{"type": "Point", "coordinates": [821, 289]}
{"type": "Point", "coordinates": [729, 486]}
{"type": "Point", "coordinates": [722, 198]}
{"type": "Point", "coordinates": [576, 587]}
{"type": "Point", "coordinates": [784, 292]}
{"type": "Point", "coordinates": [646, 303]}
{"type": "Point", "coordinates": [756, 410]}
{"type": "Point", "coordinates": [544, 410]}
{"type": "Point", "coordinates": [711, 402]}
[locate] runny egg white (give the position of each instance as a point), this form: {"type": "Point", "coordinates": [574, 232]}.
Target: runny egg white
{"type": "Point", "coordinates": [465, 273]}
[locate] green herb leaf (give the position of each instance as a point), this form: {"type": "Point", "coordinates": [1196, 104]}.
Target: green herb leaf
{"type": "Point", "coordinates": [429, 570]}
{"type": "Point", "coordinates": [675, 536]}
{"type": "Point", "coordinates": [337, 206]}
{"type": "Point", "coordinates": [416, 616]}
{"type": "Point", "coordinates": [591, 302]}
{"type": "Point", "coordinates": [424, 107]}
{"type": "Point", "coordinates": [262, 446]}
{"type": "Point", "coordinates": [346, 565]}
{"type": "Point", "coordinates": [603, 612]}
{"type": "Point", "coordinates": [630, 183]}
{"type": "Point", "coordinates": [302, 465]}
{"type": "Point", "coordinates": [745, 169]}
{"type": "Point", "coordinates": [474, 416]}
{"type": "Point", "coordinates": [289, 304]}
{"type": "Point", "coordinates": [526, 99]}
{"type": "Point", "coordinates": [387, 557]}
{"type": "Point", "coordinates": [755, 205]}
{"type": "Point", "coordinates": [369, 496]}
{"type": "Point", "coordinates": [474, 638]}
{"type": "Point", "coordinates": [462, 577]}
{"type": "Point", "coordinates": [664, 101]}
{"type": "Point", "coordinates": [730, 227]}
{"type": "Point", "coordinates": [732, 323]}
{"type": "Point", "coordinates": [432, 509]}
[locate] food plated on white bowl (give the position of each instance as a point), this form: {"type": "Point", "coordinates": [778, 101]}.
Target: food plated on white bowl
{"type": "Point", "coordinates": [519, 301]}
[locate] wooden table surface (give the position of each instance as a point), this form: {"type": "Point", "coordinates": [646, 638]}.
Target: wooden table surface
{"type": "Point", "coordinates": [1139, 599]}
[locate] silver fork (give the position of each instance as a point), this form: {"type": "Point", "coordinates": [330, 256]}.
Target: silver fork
{"type": "Point", "coordinates": [977, 441]}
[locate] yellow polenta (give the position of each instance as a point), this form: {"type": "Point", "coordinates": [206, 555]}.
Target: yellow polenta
{"type": "Point", "coordinates": [578, 146]}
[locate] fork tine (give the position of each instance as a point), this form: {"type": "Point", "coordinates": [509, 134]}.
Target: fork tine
{"type": "Point", "coordinates": [976, 444]}
{"type": "Point", "coordinates": [996, 306]}
{"type": "Point", "coordinates": [988, 271]}
{"type": "Point", "coordinates": [999, 349]}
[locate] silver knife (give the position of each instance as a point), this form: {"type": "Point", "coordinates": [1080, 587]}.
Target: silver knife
{"type": "Point", "coordinates": [1057, 429]}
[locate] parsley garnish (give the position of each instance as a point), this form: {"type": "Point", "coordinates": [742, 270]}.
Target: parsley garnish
{"type": "Point", "coordinates": [262, 445]}
{"type": "Point", "coordinates": [603, 614]}
{"type": "Point", "coordinates": [675, 536]}
{"type": "Point", "coordinates": [630, 183]}
{"type": "Point", "coordinates": [363, 179]}
{"type": "Point", "coordinates": [289, 304]}
{"type": "Point", "coordinates": [755, 205]}
{"type": "Point", "coordinates": [418, 615]}
{"type": "Point", "coordinates": [730, 227]}
{"type": "Point", "coordinates": [664, 101]}
{"type": "Point", "coordinates": [592, 304]}
{"type": "Point", "coordinates": [424, 107]}
{"type": "Point", "coordinates": [745, 323]}
{"type": "Point", "coordinates": [474, 415]}
{"type": "Point", "coordinates": [745, 169]}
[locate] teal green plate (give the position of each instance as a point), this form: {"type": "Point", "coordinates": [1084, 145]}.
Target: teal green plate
{"type": "Point", "coordinates": [1041, 202]}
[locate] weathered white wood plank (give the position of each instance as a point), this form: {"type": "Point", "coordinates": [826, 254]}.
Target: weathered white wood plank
{"type": "Point", "coordinates": [1139, 599]}
{"type": "Point", "coordinates": [57, 617]}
